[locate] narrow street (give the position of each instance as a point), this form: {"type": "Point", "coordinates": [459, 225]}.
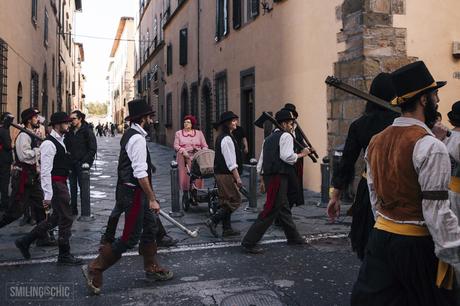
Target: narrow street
{"type": "Point", "coordinates": [208, 270]}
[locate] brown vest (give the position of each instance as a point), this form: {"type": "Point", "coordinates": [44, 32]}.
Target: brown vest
{"type": "Point", "coordinates": [395, 180]}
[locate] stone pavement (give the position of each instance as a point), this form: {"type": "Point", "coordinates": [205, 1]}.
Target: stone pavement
{"type": "Point", "coordinates": [310, 218]}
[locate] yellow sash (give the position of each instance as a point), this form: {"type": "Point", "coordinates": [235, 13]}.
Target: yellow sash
{"type": "Point", "coordinates": [454, 184]}
{"type": "Point", "coordinates": [445, 273]}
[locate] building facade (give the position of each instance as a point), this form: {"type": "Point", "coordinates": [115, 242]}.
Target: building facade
{"type": "Point", "coordinates": [37, 62]}
{"type": "Point", "coordinates": [121, 70]}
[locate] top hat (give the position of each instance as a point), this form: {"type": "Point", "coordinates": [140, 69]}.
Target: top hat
{"type": "Point", "coordinates": [59, 117]}
{"type": "Point", "coordinates": [291, 107]}
{"type": "Point", "coordinates": [29, 113]}
{"type": "Point", "coordinates": [284, 115]}
{"type": "Point", "coordinates": [138, 108]}
{"type": "Point", "coordinates": [226, 116]}
{"type": "Point", "coordinates": [454, 114]}
{"type": "Point", "coordinates": [411, 81]}
{"type": "Point", "coordinates": [382, 87]}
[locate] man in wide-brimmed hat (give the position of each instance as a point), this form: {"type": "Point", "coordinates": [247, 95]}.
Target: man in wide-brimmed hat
{"type": "Point", "coordinates": [26, 192]}
{"type": "Point", "coordinates": [278, 159]}
{"type": "Point", "coordinates": [134, 196]}
{"type": "Point", "coordinates": [228, 165]}
{"type": "Point", "coordinates": [55, 167]}
{"type": "Point", "coordinates": [408, 171]}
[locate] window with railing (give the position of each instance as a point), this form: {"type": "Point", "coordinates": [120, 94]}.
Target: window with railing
{"type": "Point", "coordinates": [3, 74]}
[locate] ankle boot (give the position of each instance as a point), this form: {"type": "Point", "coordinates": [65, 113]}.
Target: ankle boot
{"type": "Point", "coordinates": [23, 243]}
{"type": "Point", "coordinates": [153, 271]}
{"type": "Point", "coordinates": [227, 230]}
{"type": "Point", "coordinates": [109, 234]}
{"type": "Point", "coordinates": [212, 222]}
{"type": "Point", "coordinates": [65, 257]}
{"type": "Point", "coordinates": [93, 271]}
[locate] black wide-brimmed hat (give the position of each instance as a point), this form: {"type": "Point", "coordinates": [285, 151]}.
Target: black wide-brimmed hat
{"type": "Point", "coordinates": [291, 107]}
{"type": "Point", "coordinates": [29, 113]}
{"type": "Point", "coordinates": [284, 115]}
{"type": "Point", "coordinates": [226, 116]}
{"type": "Point", "coordinates": [382, 87]}
{"type": "Point", "coordinates": [454, 114]}
{"type": "Point", "coordinates": [411, 81]}
{"type": "Point", "coordinates": [59, 117]}
{"type": "Point", "coordinates": [138, 108]}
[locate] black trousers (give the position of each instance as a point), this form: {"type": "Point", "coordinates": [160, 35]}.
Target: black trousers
{"type": "Point", "coordinates": [81, 177]}
{"type": "Point", "coordinates": [397, 271]}
{"type": "Point", "coordinates": [26, 192]}
{"type": "Point", "coordinates": [61, 215]}
{"type": "Point", "coordinates": [276, 205]}
{"type": "Point", "coordinates": [5, 174]}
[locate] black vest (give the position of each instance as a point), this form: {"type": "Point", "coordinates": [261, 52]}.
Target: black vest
{"type": "Point", "coordinates": [62, 161]}
{"type": "Point", "coordinates": [33, 145]}
{"type": "Point", "coordinates": [272, 163]}
{"type": "Point", "coordinates": [125, 169]}
{"type": "Point", "coordinates": [220, 167]}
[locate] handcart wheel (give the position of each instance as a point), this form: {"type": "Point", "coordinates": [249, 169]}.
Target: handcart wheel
{"type": "Point", "coordinates": [185, 201]}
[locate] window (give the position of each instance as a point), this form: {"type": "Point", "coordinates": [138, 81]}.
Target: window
{"type": "Point", "coordinates": [244, 11]}
{"type": "Point", "coordinates": [221, 93]}
{"type": "Point", "coordinates": [45, 29]}
{"type": "Point", "coordinates": [34, 11]}
{"type": "Point", "coordinates": [221, 19]}
{"type": "Point", "coordinates": [183, 47]}
{"type": "Point", "coordinates": [34, 89]}
{"type": "Point", "coordinates": [168, 110]}
{"type": "Point", "coordinates": [169, 60]}
{"type": "Point", "coordinates": [237, 8]}
{"type": "Point", "coordinates": [3, 74]}
{"type": "Point", "coordinates": [53, 73]}
{"type": "Point", "coordinates": [194, 99]}
{"type": "Point", "coordinates": [254, 8]}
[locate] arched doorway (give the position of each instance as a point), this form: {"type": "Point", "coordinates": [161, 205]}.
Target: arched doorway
{"type": "Point", "coordinates": [206, 113]}
{"type": "Point", "coordinates": [19, 102]}
{"type": "Point", "coordinates": [185, 105]}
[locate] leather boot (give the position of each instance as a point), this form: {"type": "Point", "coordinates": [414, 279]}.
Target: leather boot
{"type": "Point", "coordinates": [153, 271]}
{"type": "Point", "coordinates": [110, 230]}
{"type": "Point", "coordinates": [65, 257]}
{"type": "Point", "coordinates": [93, 271]}
{"type": "Point", "coordinates": [23, 243]}
{"type": "Point", "coordinates": [212, 222]}
{"type": "Point", "coordinates": [227, 230]}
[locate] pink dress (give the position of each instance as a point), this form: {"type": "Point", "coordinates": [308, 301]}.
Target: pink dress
{"type": "Point", "coordinates": [190, 142]}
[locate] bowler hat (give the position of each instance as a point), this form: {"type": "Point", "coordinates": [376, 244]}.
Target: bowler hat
{"type": "Point", "coordinates": [59, 117]}
{"type": "Point", "coordinates": [28, 113]}
{"type": "Point", "coordinates": [227, 116]}
{"type": "Point", "coordinates": [138, 108]}
{"type": "Point", "coordinates": [284, 115]}
{"type": "Point", "coordinates": [454, 114]}
{"type": "Point", "coordinates": [411, 81]}
{"type": "Point", "coordinates": [291, 107]}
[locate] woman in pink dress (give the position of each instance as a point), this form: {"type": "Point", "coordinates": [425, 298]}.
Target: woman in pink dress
{"type": "Point", "coordinates": [187, 142]}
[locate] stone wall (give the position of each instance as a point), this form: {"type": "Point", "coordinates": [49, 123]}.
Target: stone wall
{"type": "Point", "coordinates": [372, 45]}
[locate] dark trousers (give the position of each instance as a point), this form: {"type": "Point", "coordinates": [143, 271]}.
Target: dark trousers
{"type": "Point", "coordinates": [61, 215]}
{"type": "Point", "coordinates": [26, 192]}
{"type": "Point", "coordinates": [397, 271]}
{"type": "Point", "coordinates": [140, 222]}
{"type": "Point", "coordinates": [5, 174]}
{"type": "Point", "coordinates": [276, 205]}
{"type": "Point", "coordinates": [81, 177]}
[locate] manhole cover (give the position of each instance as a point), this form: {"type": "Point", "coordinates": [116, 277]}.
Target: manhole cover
{"type": "Point", "coordinates": [252, 299]}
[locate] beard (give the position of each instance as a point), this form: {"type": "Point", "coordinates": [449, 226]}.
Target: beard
{"type": "Point", "coordinates": [430, 111]}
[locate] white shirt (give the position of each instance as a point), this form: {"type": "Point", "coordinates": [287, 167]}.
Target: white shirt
{"type": "Point", "coordinates": [137, 152]}
{"type": "Point", "coordinates": [287, 153]}
{"type": "Point", "coordinates": [24, 149]}
{"type": "Point", "coordinates": [432, 165]}
{"type": "Point", "coordinates": [227, 148]}
{"type": "Point", "coordinates": [47, 153]}
{"type": "Point", "coordinates": [453, 145]}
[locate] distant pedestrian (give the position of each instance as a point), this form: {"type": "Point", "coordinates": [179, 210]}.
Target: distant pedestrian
{"type": "Point", "coordinates": [81, 143]}
{"type": "Point", "coordinates": [99, 129]}
{"type": "Point", "coordinates": [6, 159]}
{"type": "Point", "coordinates": [112, 129]}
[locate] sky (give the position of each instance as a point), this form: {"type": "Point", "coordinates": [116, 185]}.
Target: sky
{"type": "Point", "coordinates": [99, 18]}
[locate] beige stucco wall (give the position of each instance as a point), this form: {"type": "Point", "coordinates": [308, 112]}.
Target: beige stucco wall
{"type": "Point", "coordinates": [432, 26]}
{"type": "Point", "coordinates": [292, 49]}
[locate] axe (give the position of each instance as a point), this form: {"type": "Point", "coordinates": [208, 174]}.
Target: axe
{"type": "Point", "coordinates": [266, 116]}
{"type": "Point", "coordinates": [8, 121]}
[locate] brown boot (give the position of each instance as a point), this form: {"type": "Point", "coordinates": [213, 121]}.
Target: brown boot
{"type": "Point", "coordinates": [93, 270]}
{"type": "Point", "coordinates": [153, 271]}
